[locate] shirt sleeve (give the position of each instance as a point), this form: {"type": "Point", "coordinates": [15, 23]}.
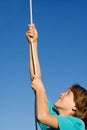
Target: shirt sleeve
{"type": "Point", "coordinates": [70, 123]}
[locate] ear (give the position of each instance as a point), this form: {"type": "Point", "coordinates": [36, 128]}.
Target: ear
{"type": "Point", "coordinates": [74, 108]}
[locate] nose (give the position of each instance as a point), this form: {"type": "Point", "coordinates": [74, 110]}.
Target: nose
{"type": "Point", "coordinates": [62, 94]}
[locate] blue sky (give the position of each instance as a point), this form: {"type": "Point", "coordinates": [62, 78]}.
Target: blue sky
{"type": "Point", "coordinates": [62, 48]}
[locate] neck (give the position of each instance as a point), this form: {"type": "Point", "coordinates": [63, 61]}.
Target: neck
{"type": "Point", "coordinates": [64, 112]}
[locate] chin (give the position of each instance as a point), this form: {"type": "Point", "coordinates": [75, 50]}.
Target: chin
{"type": "Point", "coordinates": [55, 104]}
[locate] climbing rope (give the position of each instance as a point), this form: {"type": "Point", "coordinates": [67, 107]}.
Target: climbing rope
{"type": "Point", "coordinates": [31, 21]}
{"type": "Point", "coordinates": [34, 61]}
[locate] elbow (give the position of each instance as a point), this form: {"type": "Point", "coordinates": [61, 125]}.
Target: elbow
{"type": "Point", "coordinates": [42, 117]}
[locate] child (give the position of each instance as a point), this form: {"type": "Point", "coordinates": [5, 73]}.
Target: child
{"type": "Point", "coordinates": [69, 112]}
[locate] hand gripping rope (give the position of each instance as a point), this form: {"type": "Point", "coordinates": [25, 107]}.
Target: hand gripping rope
{"type": "Point", "coordinates": [34, 61]}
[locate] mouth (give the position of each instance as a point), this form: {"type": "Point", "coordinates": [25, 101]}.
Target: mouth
{"type": "Point", "coordinates": [60, 99]}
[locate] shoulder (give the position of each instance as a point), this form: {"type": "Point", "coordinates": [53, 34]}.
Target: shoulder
{"type": "Point", "coordinates": [69, 122]}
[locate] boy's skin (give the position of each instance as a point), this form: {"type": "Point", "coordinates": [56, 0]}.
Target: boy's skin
{"type": "Point", "coordinates": [65, 104]}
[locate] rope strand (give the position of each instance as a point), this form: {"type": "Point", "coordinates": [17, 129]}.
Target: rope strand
{"type": "Point", "coordinates": [34, 63]}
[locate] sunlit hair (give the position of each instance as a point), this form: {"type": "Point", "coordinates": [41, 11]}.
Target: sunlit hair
{"type": "Point", "coordinates": [80, 98]}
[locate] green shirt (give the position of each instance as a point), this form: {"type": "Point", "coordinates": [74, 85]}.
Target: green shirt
{"type": "Point", "coordinates": [64, 122]}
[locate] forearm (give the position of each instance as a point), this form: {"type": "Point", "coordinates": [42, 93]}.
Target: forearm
{"type": "Point", "coordinates": [41, 104]}
{"type": "Point", "coordinates": [34, 62]}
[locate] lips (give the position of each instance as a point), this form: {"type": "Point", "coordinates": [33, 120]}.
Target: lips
{"type": "Point", "coordinates": [60, 98]}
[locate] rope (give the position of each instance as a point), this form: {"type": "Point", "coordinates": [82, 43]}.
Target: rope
{"type": "Point", "coordinates": [31, 21]}
{"type": "Point", "coordinates": [34, 61]}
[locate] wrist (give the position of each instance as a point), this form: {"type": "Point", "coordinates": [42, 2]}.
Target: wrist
{"type": "Point", "coordinates": [40, 90]}
{"type": "Point", "coordinates": [34, 42]}
{"type": "Point", "coordinates": [40, 93]}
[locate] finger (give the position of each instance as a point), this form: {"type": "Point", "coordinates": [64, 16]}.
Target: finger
{"type": "Point", "coordinates": [32, 87]}
{"type": "Point", "coordinates": [31, 26]}
{"type": "Point", "coordinates": [29, 34]}
{"type": "Point", "coordinates": [35, 77]}
{"type": "Point", "coordinates": [33, 81]}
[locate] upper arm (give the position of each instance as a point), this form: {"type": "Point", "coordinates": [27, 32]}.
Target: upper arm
{"type": "Point", "coordinates": [49, 120]}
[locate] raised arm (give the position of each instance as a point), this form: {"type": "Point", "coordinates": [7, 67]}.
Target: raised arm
{"type": "Point", "coordinates": [43, 114]}
{"type": "Point", "coordinates": [32, 35]}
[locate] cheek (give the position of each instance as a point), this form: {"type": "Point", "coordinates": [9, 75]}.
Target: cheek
{"type": "Point", "coordinates": [66, 102]}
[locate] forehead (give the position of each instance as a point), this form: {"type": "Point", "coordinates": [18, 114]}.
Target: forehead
{"type": "Point", "coordinates": [69, 91]}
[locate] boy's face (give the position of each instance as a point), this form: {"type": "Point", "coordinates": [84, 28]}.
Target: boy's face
{"type": "Point", "coordinates": [66, 102]}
